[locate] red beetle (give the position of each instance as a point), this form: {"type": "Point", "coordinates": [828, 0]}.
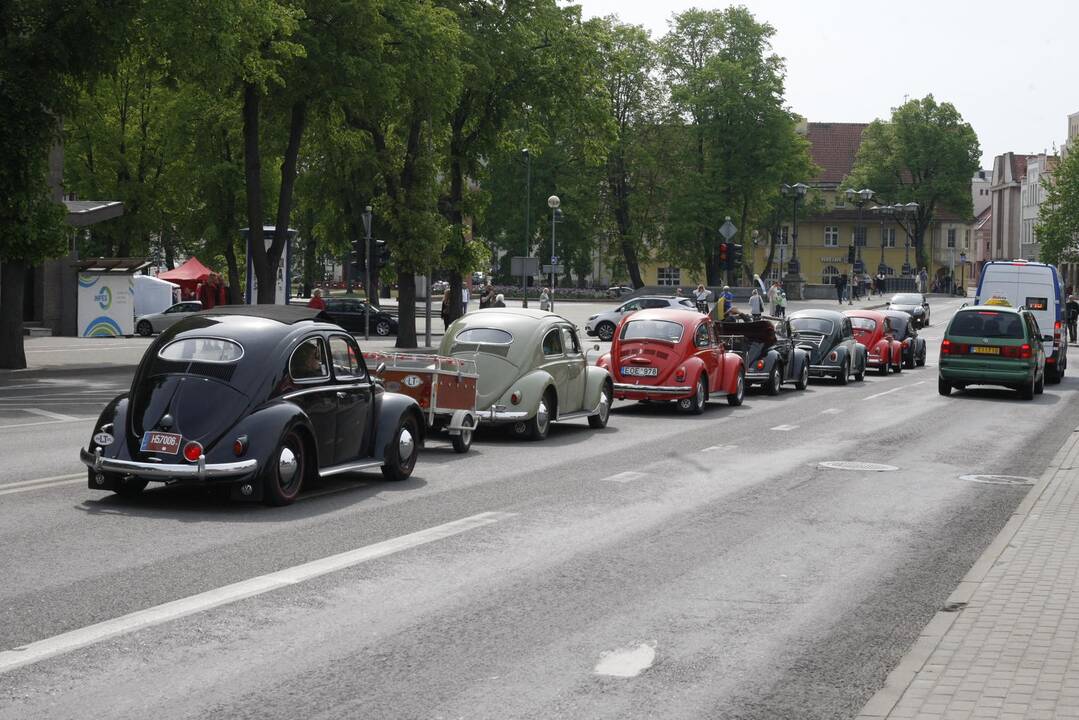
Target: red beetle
{"type": "Point", "coordinates": [874, 330]}
{"type": "Point", "coordinates": [666, 354]}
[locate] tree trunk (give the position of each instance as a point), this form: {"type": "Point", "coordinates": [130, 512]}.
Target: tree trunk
{"type": "Point", "coordinates": [12, 289]}
{"type": "Point", "coordinates": [268, 288]}
{"type": "Point", "coordinates": [253, 187]}
{"type": "Point", "coordinates": [620, 192]}
{"type": "Point", "coordinates": [456, 218]}
{"type": "Point", "coordinates": [310, 255]}
{"type": "Point", "coordinates": [406, 310]}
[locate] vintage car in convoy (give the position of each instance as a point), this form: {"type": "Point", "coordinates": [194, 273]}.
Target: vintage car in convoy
{"type": "Point", "coordinates": [532, 370]}
{"type": "Point", "coordinates": [673, 355]}
{"type": "Point", "coordinates": [914, 304]}
{"type": "Point", "coordinates": [874, 330]}
{"type": "Point", "coordinates": [259, 399]}
{"type": "Point", "coordinates": [769, 352]}
{"type": "Point", "coordinates": [828, 336]}
{"type": "Point", "coordinates": [906, 333]}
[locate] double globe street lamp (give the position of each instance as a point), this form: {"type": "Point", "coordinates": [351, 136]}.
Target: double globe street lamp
{"type": "Point", "coordinates": [556, 215]}
{"type": "Point", "coordinates": [859, 198]}
{"type": "Point", "coordinates": [797, 191]}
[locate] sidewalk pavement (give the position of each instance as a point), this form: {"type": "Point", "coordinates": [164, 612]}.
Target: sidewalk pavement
{"type": "Point", "coordinates": [1004, 645]}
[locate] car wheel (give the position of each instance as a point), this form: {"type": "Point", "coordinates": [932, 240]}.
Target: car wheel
{"type": "Point", "coordinates": [128, 488]}
{"type": "Point", "coordinates": [599, 420]}
{"type": "Point", "coordinates": [860, 375]}
{"type": "Point", "coordinates": [898, 367]}
{"type": "Point", "coordinates": [1051, 376]}
{"type": "Point", "coordinates": [1039, 386]}
{"type": "Point", "coordinates": [735, 399]}
{"type": "Point", "coordinates": [908, 363]}
{"type": "Point", "coordinates": [843, 377]}
{"type": "Point", "coordinates": [383, 328]}
{"type": "Point", "coordinates": [1026, 392]}
{"type": "Point", "coordinates": [921, 359]}
{"type": "Point", "coordinates": [283, 477]}
{"type": "Point", "coordinates": [883, 369]}
{"type": "Point", "coordinates": [694, 404]}
{"type": "Point", "coordinates": [463, 441]}
{"type": "Point", "coordinates": [944, 387]}
{"type": "Point", "coordinates": [403, 449]}
{"type": "Point", "coordinates": [605, 331]}
{"type": "Point", "coordinates": [144, 328]}
{"type": "Point", "coordinates": [803, 380]}
{"type": "Point", "coordinates": [774, 382]}
{"type": "Point", "coordinates": [537, 427]}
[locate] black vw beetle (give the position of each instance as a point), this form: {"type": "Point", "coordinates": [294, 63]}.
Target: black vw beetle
{"type": "Point", "coordinates": [260, 399]}
{"type": "Point", "coordinates": [913, 345]}
{"type": "Point", "coordinates": [770, 353]}
{"type": "Point", "coordinates": [829, 338]}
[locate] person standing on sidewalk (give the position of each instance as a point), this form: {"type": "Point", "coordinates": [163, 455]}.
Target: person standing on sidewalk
{"type": "Point", "coordinates": [1072, 307]}
{"type": "Point", "coordinates": [773, 295]}
{"type": "Point", "coordinates": [781, 302]}
{"type": "Point", "coordinates": [316, 300]}
{"type": "Point", "coordinates": [838, 281]}
{"type": "Point", "coordinates": [756, 304]}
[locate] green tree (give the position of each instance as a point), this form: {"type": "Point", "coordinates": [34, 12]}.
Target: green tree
{"type": "Point", "coordinates": [47, 48]}
{"type": "Point", "coordinates": [925, 154]}
{"type": "Point", "coordinates": [1058, 227]}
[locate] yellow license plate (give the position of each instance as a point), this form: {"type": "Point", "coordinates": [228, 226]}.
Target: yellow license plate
{"type": "Point", "coordinates": [982, 350]}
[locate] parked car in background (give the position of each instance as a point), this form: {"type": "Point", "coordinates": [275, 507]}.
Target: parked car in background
{"type": "Point", "coordinates": [907, 334]}
{"type": "Point", "coordinates": [349, 314]}
{"type": "Point", "coordinates": [829, 338]}
{"type": "Point", "coordinates": [874, 330]}
{"type": "Point", "coordinates": [992, 345]}
{"type": "Point", "coordinates": [914, 304]}
{"type": "Point", "coordinates": [669, 354]}
{"type": "Point", "coordinates": [1037, 288]}
{"type": "Point", "coordinates": [532, 370]}
{"type": "Point", "coordinates": [602, 325]}
{"type": "Point", "coordinates": [440, 286]}
{"type": "Point", "coordinates": [768, 349]}
{"type": "Point", "coordinates": [617, 291]}
{"type": "Point", "coordinates": [147, 325]}
{"type": "Point", "coordinates": [258, 399]}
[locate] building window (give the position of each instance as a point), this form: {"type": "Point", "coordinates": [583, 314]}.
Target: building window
{"type": "Point", "coordinates": [888, 235]}
{"type": "Point", "coordinates": [829, 274]}
{"type": "Point", "coordinates": [775, 273]}
{"type": "Point", "coordinates": [782, 235]}
{"type": "Point", "coordinates": [840, 201]}
{"type": "Point", "coordinates": [859, 235]}
{"type": "Point", "coordinates": [831, 235]}
{"type": "Point", "coordinates": [951, 237]}
{"type": "Point", "coordinates": [669, 276]}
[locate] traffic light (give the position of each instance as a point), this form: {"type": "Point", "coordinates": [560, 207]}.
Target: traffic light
{"type": "Point", "coordinates": [724, 258]}
{"type": "Point", "coordinates": [355, 257]}
{"type": "Point", "coordinates": [380, 254]}
{"type": "Point", "coordinates": [736, 256]}
{"type": "Point", "coordinates": [850, 255]}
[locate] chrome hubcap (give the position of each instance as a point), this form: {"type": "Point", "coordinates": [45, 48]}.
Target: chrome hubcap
{"type": "Point", "coordinates": [541, 416]}
{"type": "Point", "coordinates": [741, 387]}
{"type": "Point", "coordinates": [604, 405]}
{"type": "Point", "coordinates": [700, 393]}
{"type": "Point", "coordinates": [287, 466]}
{"type": "Point", "coordinates": [405, 445]}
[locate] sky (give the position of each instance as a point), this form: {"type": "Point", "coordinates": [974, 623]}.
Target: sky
{"type": "Point", "coordinates": [1010, 68]}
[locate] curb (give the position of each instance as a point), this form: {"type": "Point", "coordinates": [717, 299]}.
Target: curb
{"type": "Point", "coordinates": [899, 679]}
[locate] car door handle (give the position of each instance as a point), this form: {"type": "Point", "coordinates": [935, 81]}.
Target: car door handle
{"type": "Point", "coordinates": [342, 395]}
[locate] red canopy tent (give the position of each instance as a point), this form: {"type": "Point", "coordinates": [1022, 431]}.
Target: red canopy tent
{"type": "Point", "coordinates": [188, 276]}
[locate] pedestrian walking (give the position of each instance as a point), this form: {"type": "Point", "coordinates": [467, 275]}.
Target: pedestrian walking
{"type": "Point", "coordinates": [466, 295]}
{"type": "Point", "coordinates": [838, 281]}
{"type": "Point", "coordinates": [444, 311]}
{"type": "Point", "coordinates": [545, 299]}
{"type": "Point", "coordinates": [498, 302]}
{"type": "Point", "coordinates": [773, 293]}
{"type": "Point", "coordinates": [781, 302]}
{"type": "Point", "coordinates": [316, 300]}
{"type": "Point", "coordinates": [923, 281]}
{"type": "Point", "coordinates": [756, 304]}
{"type": "Point", "coordinates": [1073, 317]}
{"type": "Point", "coordinates": [701, 296]}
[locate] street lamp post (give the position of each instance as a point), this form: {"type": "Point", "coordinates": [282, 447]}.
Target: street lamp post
{"type": "Point", "coordinates": [797, 191]}
{"type": "Point", "coordinates": [906, 214]}
{"type": "Point", "coordinates": [528, 223]}
{"type": "Point", "coordinates": [859, 198]}
{"type": "Point", "coordinates": [553, 202]}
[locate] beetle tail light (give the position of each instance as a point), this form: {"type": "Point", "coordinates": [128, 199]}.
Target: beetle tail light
{"type": "Point", "coordinates": [239, 447]}
{"type": "Point", "coordinates": [833, 356]}
{"type": "Point", "coordinates": [515, 397]}
{"type": "Point", "coordinates": [192, 451]}
{"type": "Point", "coordinates": [760, 364]}
{"type": "Point", "coordinates": [680, 375]}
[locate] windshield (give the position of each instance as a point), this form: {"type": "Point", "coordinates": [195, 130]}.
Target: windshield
{"type": "Point", "coordinates": [811, 324]}
{"type": "Point", "coordinates": [484, 336]}
{"type": "Point", "coordinates": [202, 350]}
{"type": "Point", "coordinates": [987, 324]}
{"type": "Point", "coordinates": [906, 299]}
{"type": "Point", "coordinates": [899, 325]}
{"type": "Point", "coordinates": [664, 330]}
{"type": "Point", "coordinates": [863, 324]}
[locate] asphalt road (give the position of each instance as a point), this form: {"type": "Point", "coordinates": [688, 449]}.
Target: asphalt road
{"type": "Point", "coordinates": [669, 566]}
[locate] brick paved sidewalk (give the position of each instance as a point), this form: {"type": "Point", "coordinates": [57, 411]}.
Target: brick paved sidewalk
{"type": "Point", "coordinates": [1007, 648]}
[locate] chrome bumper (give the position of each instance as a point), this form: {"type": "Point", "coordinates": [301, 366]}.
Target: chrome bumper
{"type": "Point", "coordinates": [653, 389]}
{"type": "Point", "coordinates": [156, 471]}
{"type": "Point", "coordinates": [499, 413]}
{"type": "Point", "coordinates": [757, 376]}
{"type": "Point", "coordinates": [823, 369]}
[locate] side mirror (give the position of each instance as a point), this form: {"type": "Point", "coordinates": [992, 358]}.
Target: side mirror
{"type": "Point", "coordinates": [596, 347]}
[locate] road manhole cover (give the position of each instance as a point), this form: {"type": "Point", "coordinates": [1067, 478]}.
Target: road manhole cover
{"type": "Point", "coordinates": [859, 466]}
{"type": "Point", "coordinates": [999, 479]}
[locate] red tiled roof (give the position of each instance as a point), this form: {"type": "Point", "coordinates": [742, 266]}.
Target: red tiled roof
{"type": "Point", "coordinates": [833, 146]}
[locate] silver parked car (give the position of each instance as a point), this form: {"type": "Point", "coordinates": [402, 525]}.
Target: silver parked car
{"type": "Point", "coordinates": [147, 325]}
{"type": "Point", "coordinates": [603, 324]}
{"type": "Point", "coordinates": [532, 370]}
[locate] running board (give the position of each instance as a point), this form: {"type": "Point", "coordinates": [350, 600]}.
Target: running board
{"type": "Point", "coordinates": [575, 415]}
{"type": "Point", "coordinates": [349, 467]}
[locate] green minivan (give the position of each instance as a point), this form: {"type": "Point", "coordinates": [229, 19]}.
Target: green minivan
{"type": "Point", "coordinates": [992, 344]}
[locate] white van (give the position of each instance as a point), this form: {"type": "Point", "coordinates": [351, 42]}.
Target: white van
{"type": "Point", "coordinates": [1039, 288]}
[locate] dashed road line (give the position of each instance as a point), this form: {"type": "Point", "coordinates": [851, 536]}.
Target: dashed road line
{"type": "Point", "coordinates": [714, 448]}
{"type": "Point", "coordinates": [41, 483]}
{"type": "Point", "coordinates": [831, 411]}
{"type": "Point", "coordinates": [624, 477]}
{"type": "Point", "coordinates": [895, 389]}
{"type": "Point", "coordinates": [50, 414]}
{"type": "Point", "coordinates": [784, 428]}
{"type": "Point", "coordinates": [66, 642]}
{"type": "Point", "coordinates": [12, 426]}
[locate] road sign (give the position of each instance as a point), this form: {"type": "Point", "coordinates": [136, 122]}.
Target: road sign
{"type": "Point", "coordinates": [727, 229]}
{"type": "Point", "coordinates": [554, 259]}
{"type": "Point", "coordinates": [548, 269]}
{"type": "Point", "coordinates": [527, 266]}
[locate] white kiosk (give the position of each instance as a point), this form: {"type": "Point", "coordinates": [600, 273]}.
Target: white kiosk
{"type": "Point", "coordinates": [106, 296]}
{"type": "Point", "coordinates": [284, 267]}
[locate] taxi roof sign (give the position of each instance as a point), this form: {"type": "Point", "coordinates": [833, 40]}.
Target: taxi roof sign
{"type": "Point", "coordinates": [999, 300]}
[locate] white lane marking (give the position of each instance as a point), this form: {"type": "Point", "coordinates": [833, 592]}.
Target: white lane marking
{"type": "Point", "coordinates": [79, 349]}
{"type": "Point", "coordinates": [46, 422]}
{"type": "Point", "coordinates": [626, 662]}
{"type": "Point", "coordinates": [51, 647]}
{"type": "Point", "coordinates": [38, 481]}
{"type": "Point", "coordinates": [784, 428]}
{"type": "Point", "coordinates": [895, 389]}
{"type": "Point", "coordinates": [713, 448]}
{"type": "Point", "coordinates": [58, 483]}
{"type": "Point", "coordinates": [49, 414]}
{"type": "Point", "coordinates": [623, 477]}
{"type": "Point", "coordinates": [831, 411]}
